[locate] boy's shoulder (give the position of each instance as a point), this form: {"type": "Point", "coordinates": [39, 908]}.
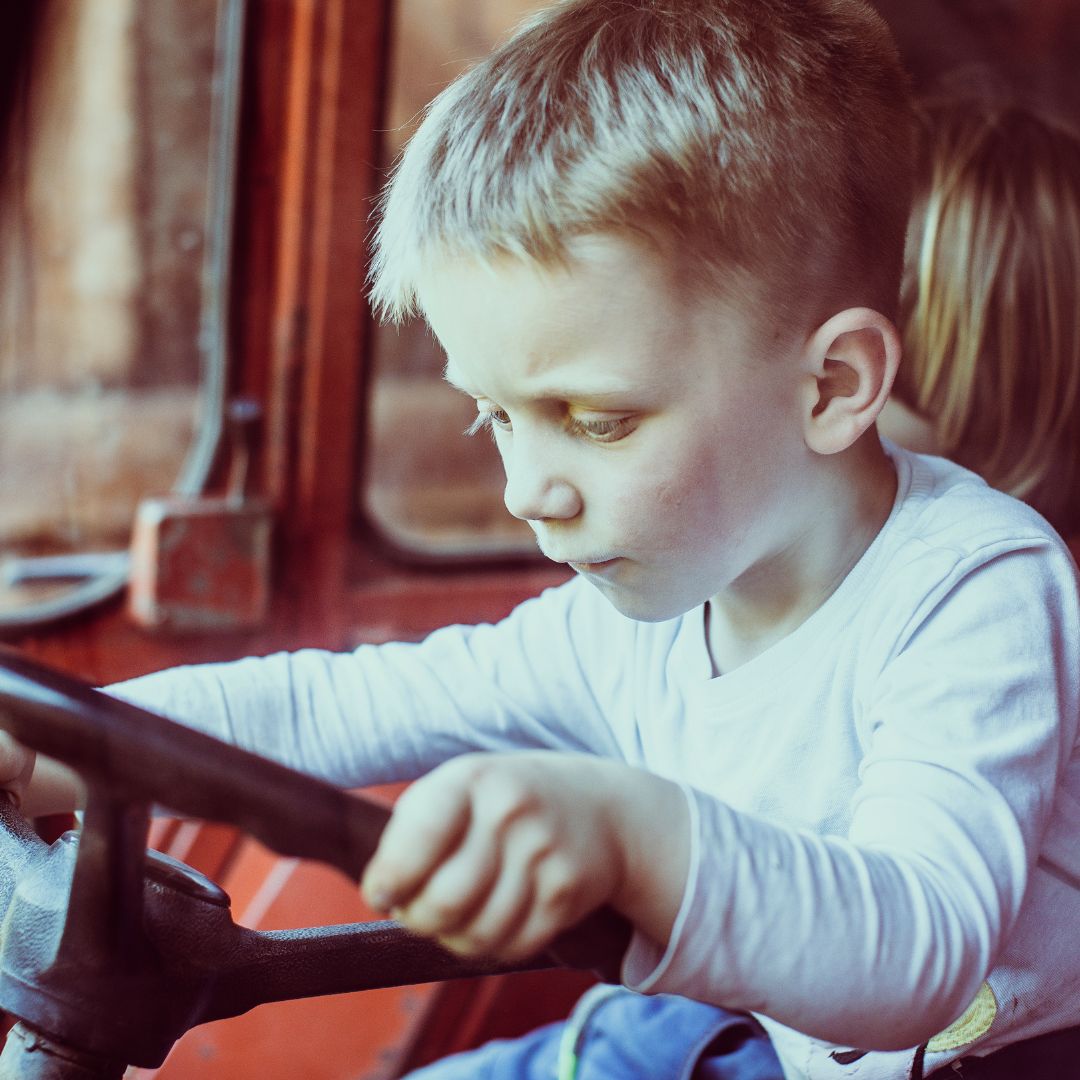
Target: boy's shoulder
{"type": "Point", "coordinates": [954, 545]}
{"type": "Point", "coordinates": [944, 506]}
{"type": "Point", "coordinates": [959, 568]}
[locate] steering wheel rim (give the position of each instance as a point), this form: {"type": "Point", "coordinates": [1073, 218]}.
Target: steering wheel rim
{"type": "Point", "coordinates": [144, 757]}
{"type": "Point", "coordinates": [141, 758]}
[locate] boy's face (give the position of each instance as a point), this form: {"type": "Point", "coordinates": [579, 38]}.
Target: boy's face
{"type": "Point", "coordinates": [651, 438]}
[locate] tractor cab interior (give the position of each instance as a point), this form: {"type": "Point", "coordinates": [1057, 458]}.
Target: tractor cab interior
{"type": "Point", "coordinates": [210, 450]}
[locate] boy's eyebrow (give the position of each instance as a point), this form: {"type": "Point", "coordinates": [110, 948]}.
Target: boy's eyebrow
{"type": "Point", "coordinates": [454, 381]}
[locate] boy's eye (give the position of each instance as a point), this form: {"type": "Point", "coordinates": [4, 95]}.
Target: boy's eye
{"type": "Point", "coordinates": [490, 417]}
{"type": "Point", "coordinates": [602, 430]}
{"type": "Point", "coordinates": [595, 429]}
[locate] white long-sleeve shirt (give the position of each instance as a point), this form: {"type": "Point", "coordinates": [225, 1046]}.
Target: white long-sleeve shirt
{"type": "Point", "coordinates": [885, 804]}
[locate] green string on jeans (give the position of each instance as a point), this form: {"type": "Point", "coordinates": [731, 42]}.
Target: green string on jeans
{"type": "Point", "coordinates": [574, 1031]}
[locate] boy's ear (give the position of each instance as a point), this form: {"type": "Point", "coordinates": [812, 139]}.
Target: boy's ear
{"type": "Point", "coordinates": [851, 362]}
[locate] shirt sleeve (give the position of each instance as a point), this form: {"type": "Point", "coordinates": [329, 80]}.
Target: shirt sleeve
{"type": "Point", "coordinates": [880, 938]}
{"type": "Point", "coordinates": [391, 712]}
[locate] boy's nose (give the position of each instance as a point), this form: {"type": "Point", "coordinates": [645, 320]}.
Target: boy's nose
{"type": "Point", "coordinates": [535, 491]}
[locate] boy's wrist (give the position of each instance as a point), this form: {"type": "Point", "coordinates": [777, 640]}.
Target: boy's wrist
{"type": "Point", "coordinates": [652, 829]}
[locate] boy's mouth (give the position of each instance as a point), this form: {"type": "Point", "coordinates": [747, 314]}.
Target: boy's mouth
{"type": "Point", "coordinates": [596, 566]}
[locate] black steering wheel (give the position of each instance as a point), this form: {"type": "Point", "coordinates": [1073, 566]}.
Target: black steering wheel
{"type": "Point", "coordinates": [110, 952]}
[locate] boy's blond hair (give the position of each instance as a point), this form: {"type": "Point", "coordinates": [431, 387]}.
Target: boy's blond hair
{"type": "Point", "coordinates": [991, 300]}
{"type": "Point", "coordinates": [771, 137]}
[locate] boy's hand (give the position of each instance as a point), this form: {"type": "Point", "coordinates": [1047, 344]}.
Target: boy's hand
{"type": "Point", "coordinates": [38, 785]}
{"type": "Point", "coordinates": [16, 767]}
{"type": "Point", "coordinates": [495, 854]}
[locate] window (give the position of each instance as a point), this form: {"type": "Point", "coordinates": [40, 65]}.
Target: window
{"type": "Point", "coordinates": [112, 228]}
{"type": "Point", "coordinates": [431, 491]}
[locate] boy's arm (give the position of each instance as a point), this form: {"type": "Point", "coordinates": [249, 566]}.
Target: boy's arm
{"type": "Point", "coordinates": [380, 713]}
{"type": "Point", "coordinates": [385, 713]}
{"type": "Point", "coordinates": [880, 939]}
{"type": "Point", "coordinates": [877, 939]}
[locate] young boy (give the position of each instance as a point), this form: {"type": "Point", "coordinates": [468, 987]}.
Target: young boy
{"type": "Point", "coordinates": [807, 715]}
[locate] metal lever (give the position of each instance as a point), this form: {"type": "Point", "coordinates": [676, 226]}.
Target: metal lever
{"type": "Point", "coordinates": [18, 570]}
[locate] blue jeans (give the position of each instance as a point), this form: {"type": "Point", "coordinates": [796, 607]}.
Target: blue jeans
{"type": "Point", "coordinates": [615, 1034]}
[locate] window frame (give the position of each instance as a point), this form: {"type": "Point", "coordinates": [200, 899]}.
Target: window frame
{"type": "Point", "coordinates": [300, 343]}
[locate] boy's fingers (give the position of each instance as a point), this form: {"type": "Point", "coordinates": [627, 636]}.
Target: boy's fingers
{"type": "Point", "coordinates": [497, 924]}
{"type": "Point", "coordinates": [428, 821]}
{"type": "Point", "coordinates": [558, 904]}
{"type": "Point", "coordinates": [458, 887]}
{"type": "Point", "coordinates": [504, 910]}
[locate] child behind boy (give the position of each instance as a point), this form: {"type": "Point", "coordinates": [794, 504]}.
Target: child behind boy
{"type": "Point", "coordinates": [807, 714]}
{"type": "Point", "coordinates": [990, 303]}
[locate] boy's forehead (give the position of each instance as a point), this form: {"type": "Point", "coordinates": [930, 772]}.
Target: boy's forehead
{"type": "Point", "coordinates": [550, 318]}
{"type": "Point", "coordinates": [514, 331]}
{"type": "Point", "coordinates": [597, 272]}
{"type": "Point", "coordinates": [595, 280]}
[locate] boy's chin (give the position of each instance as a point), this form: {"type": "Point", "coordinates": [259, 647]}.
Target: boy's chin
{"type": "Point", "coordinates": [641, 606]}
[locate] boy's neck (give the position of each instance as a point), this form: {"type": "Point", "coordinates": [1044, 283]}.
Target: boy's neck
{"type": "Point", "coordinates": [780, 593]}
